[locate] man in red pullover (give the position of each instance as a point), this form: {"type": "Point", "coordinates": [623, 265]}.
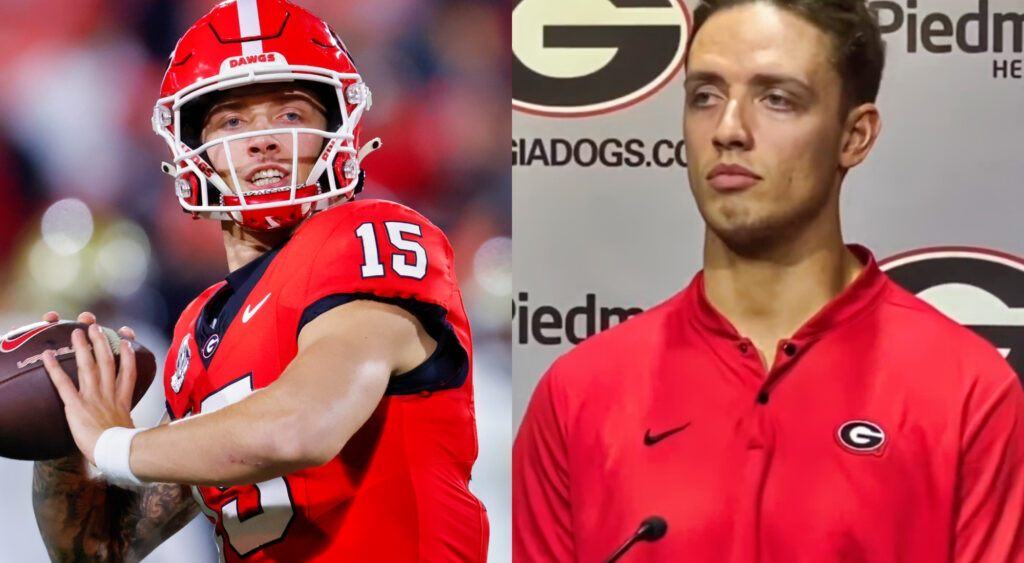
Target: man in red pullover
{"type": "Point", "coordinates": [792, 404]}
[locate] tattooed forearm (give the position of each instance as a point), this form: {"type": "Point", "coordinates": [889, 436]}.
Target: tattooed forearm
{"type": "Point", "coordinates": [71, 511]}
{"type": "Point", "coordinates": [153, 515]}
{"type": "Point", "coordinates": [85, 519]}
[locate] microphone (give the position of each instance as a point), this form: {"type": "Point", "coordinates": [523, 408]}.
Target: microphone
{"type": "Point", "coordinates": [653, 528]}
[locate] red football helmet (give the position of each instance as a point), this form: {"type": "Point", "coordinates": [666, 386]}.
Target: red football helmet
{"type": "Point", "coordinates": [242, 42]}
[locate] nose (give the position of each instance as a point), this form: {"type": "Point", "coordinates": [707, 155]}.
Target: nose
{"type": "Point", "coordinates": [732, 131]}
{"type": "Point", "coordinates": [262, 144]}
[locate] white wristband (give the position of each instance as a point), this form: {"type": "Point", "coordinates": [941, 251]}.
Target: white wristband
{"type": "Point", "coordinates": [112, 454]}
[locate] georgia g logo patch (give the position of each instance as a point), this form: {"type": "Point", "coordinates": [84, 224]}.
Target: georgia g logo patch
{"type": "Point", "coordinates": [181, 366]}
{"type": "Point", "coordinates": [861, 436]}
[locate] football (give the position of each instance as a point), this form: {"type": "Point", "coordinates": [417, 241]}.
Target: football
{"type": "Point", "coordinates": [32, 422]}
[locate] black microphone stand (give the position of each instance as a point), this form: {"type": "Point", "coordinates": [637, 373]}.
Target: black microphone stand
{"type": "Point", "coordinates": [651, 529]}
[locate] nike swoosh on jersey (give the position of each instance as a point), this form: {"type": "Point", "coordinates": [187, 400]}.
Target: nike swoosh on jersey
{"type": "Point", "coordinates": [250, 310]}
{"type": "Point", "coordinates": [11, 345]}
{"type": "Point", "coordinates": [651, 439]}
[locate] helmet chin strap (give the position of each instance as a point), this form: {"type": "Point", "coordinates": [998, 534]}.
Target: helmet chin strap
{"type": "Point", "coordinates": [374, 144]}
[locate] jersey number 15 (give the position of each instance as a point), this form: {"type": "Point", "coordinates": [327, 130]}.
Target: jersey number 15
{"type": "Point", "coordinates": [396, 231]}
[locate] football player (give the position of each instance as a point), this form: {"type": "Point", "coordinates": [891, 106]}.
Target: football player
{"type": "Point", "coordinates": [320, 399]}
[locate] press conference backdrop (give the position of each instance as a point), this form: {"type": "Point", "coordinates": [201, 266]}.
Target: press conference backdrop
{"type": "Point", "coordinates": [603, 219]}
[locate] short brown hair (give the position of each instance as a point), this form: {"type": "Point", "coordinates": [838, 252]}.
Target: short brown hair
{"type": "Point", "coordinates": [857, 47]}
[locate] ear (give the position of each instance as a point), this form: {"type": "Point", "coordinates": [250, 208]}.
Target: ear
{"type": "Point", "coordinates": [863, 124]}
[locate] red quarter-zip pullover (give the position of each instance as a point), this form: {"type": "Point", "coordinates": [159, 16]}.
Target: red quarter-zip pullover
{"type": "Point", "coordinates": [884, 432]}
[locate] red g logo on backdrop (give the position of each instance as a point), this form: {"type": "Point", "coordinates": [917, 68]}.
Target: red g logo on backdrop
{"type": "Point", "coordinates": [979, 288]}
{"type": "Point", "coordinates": [574, 58]}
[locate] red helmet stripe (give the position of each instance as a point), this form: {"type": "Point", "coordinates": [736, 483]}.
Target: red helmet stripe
{"type": "Point", "coordinates": [249, 26]}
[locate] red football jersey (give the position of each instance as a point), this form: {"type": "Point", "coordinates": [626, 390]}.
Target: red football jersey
{"type": "Point", "coordinates": [398, 490]}
{"type": "Point", "coordinates": [883, 433]}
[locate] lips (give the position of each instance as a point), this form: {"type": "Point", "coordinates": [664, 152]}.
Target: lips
{"type": "Point", "coordinates": [731, 177]}
{"type": "Point", "coordinates": [267, 176]}
{"type": "Point", "coordinates": [285, 181]}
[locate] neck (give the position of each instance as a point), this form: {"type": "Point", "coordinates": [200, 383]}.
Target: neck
{"type": "Point", "coordinates": [243, 246]}
{"type": "Point", "coordinates": [769, 294]}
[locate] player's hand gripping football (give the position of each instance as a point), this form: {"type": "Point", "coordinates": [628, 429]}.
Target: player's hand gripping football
{"type": "Point", "coordinates": [103, 398]}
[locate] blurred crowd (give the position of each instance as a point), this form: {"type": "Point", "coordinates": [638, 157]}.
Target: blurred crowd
{"type": "Point", "coordinates": [89, 222]}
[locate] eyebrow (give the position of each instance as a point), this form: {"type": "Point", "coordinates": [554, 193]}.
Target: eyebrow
{"type": "Point", "coordinates": [285, 98]}
{"type": "Point", "coordinates": [761, 79]}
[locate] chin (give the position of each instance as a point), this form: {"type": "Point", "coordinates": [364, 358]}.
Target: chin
{"type": "Point", "coordinates": [735, 216]}
{"type": "Point", "coordinates": [747, 230]}
{"type": "Point", "coordinates": [744, 230]}
{"type": "Point", "coordinates": [745, 239]}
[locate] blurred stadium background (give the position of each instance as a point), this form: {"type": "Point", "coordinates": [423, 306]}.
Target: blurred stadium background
{"type": "Point", "coordinates": [89, 222]}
